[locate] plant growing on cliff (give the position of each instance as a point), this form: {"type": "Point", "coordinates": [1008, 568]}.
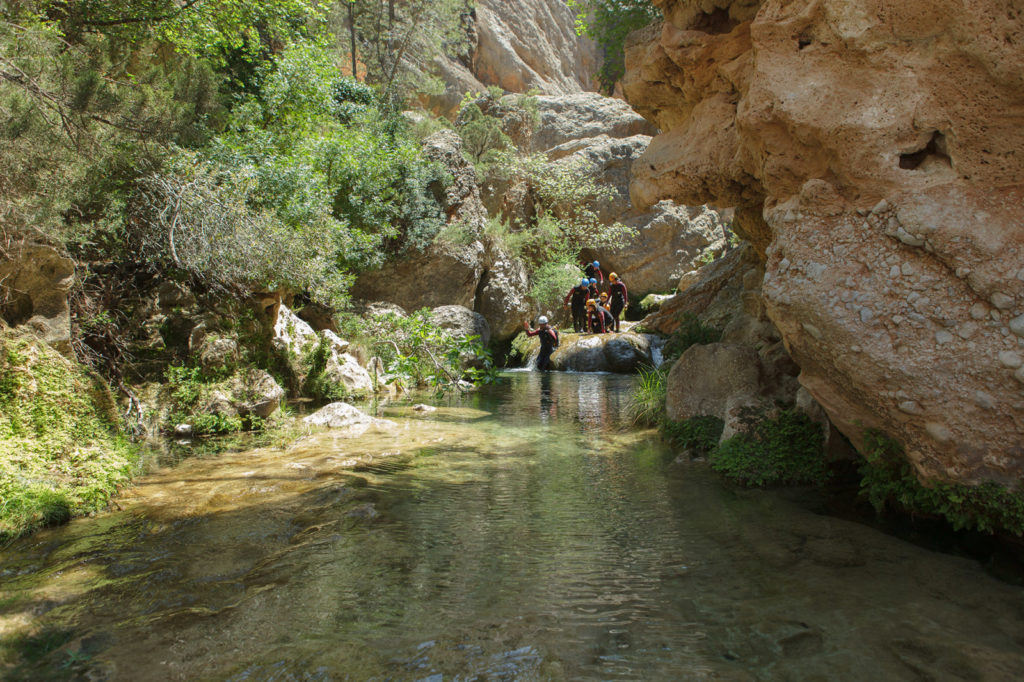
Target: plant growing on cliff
{"type": "Point", "coordinates": [646, 405]}
{"type": "Point", "coordinates": [609, 22]}
{"type": "Point", "coordinates": [888, 482]}
{"type": "Point", "coordinates": [691, 331]}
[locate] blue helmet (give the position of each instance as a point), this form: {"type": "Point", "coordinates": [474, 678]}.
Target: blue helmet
{"type": "Point", "coordinates": [584, 282]}
{"type": "Point", "coordinates": [596, 264]}
{"type": "Point", "coordinates": [593, 281]}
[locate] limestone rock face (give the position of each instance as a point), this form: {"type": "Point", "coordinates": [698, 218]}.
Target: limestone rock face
{"type": "Point", "coordinates": [461, 199]}
{"type": "Point", "coordinates": [709, 379]}
{"type": "Point", "coordinates": [254, 392]}
{"type": "Point", "coordinates": [501, 297]}
{"type": "Point", "coordinates": [580, 116]}
{"type": "Point", "coordinates": [874, 151]}
{"type": "Point", "coordinates": [460, 321]}
{"type": "Point", "coordinates": [34, 288]}
{"type": "Point", "coordinates": [518, 45]}
{"type": "Point", "coordinates": [526, 44]}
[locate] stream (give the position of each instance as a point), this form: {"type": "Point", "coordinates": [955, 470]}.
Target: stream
{"type": "Point", "coordinates": [521, 532]}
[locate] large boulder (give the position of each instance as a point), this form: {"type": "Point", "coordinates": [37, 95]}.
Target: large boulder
{"type": "Point", "coordinates": [253, 392]}
{"type": "Point", "coordinates": [623, 353]}
{"type": "Point", "coordinates": [460, 321]}
{"type": "Point", "coordinates": [886, 203]}
{"type": "Point", "coordinates": [461, 198]}
{"type": "Point", "coordinates": [709, 379]}
{"type": "Point", "coordinates": [568, 118]}
{"type": "Point", "coordinates": [34, 287]}
{"type": "Point", "coordinates": [501, 297]}
{"type": "Point", "coordinates": [348, 420]}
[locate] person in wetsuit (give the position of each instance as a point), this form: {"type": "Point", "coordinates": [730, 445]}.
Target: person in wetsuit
{"type": "Point", "coordinates": [595, 318]}
{"type": "Point", "coordinates": [594, 293]}
{"type": "Point", "coordinates": [619, 297]}
{"type": "Point", "coordinates": [578, 296]}
{"type": "Point", "coordinates": [548, 341]}
{"type": "Point", "coordinates": [593, 270]}
{"type": "Point", "coordinates": [602, 304]}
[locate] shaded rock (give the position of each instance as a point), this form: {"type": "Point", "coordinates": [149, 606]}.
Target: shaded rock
{"type": "Point", "coordinates": [218, 352]}
{"type": "Point", "coordinates": [461, 198]}
{"type": "Point", "coordinates": [708, 379]}
{"type": "Point", "coordinates": [570, 118]}
{"type": "Point", "coordinates": [501, 297]}
{"type": "Point", "coordinates": [34, 287]}
{"type": "Point", "coordinates": [254, 392]}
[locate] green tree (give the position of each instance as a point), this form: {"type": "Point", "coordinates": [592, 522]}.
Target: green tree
{"type": "Point", "coordinates": [609, 22]}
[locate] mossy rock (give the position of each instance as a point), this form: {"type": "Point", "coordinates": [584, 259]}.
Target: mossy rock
{"type": "Point", "coordinates": [61, 449]}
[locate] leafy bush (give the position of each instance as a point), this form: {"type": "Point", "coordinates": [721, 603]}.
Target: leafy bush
{"type": "Point", "coordinates": [888, 482]}
{"type": "Point", "coordinates": [785, 449]}
{"type": "Point", "coordinates": [416, 353]}
{"type": "Point", "coordinates": [700, 434]}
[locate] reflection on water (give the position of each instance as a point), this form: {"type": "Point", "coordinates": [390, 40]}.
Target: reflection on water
{"type": "Point", "coordinates": [518, 533]}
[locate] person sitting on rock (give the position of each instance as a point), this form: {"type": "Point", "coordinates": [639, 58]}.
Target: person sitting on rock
{"type": "Point", "coordinates": [594, 292]}
{"type": "Point", "coordinates": [548, 341]}
{"type": "Point", "coordinates": [595, 318]}
{"type": "Point", "coordinates": [609, 321]}
{"type": "Point", "coordinates": [578, 296]}
{"type": "Point", "coordinates": [619, 297]}
{"type": "Point", "coordinates": [593, 270]}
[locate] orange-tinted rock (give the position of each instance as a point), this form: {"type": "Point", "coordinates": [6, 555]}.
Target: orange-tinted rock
{"type": "Point", "coordinates": [882, 141]}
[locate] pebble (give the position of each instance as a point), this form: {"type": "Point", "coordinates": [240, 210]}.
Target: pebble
{"type": "Point", "coordinates": [967, 330]}
{"type": "Point", "coordinates": [1001, 300]}
{"type": "Point", "coordinates": [907, 269]}
{"type": "Point", "coordinates": [962, 272]}
{"type": "Point", "coordinates": [979, 311]}
{"type": "Point", "coordinates": [1010, 359]}
{"type": "Point", "coordinates": [894, 271]}
{"type": "Point", "coordinates": [881, 207]}
{"type": "Point", "coordinates": [938, 432]}
{"type": "Point", "coordinates": [1017, 325]}
{"type": "Point", "coordinates": [910, 407]}
{"type": "Point", "coordinates": [984, 400]}
{"type": "Point", "coordinates": [942, 336]}
{"type": "Point", "coordinates": [865, 315]}
{"type": "Point", "coordinates": [908, 239]}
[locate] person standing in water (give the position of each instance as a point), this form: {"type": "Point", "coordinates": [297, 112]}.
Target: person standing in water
{"type": "Point", "coordinates": [548, 341]}
{"type": "Point", "coordinates": [576, 299]}
{"type": "Point", "coordinates": [619, 297]}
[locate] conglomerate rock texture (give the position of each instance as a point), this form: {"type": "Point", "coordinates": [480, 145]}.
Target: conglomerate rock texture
{"type": "Point", "coordinates": [873, 150]}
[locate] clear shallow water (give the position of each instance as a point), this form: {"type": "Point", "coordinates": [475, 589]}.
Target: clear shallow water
{"type": "Point", "coordinates": [518, 533]}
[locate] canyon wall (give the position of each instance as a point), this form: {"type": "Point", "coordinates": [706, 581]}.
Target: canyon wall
{"type": "Point", "coordinates": [873, 151]}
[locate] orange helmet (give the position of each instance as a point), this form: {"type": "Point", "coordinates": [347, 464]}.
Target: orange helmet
{"type": "Point", "coordinates": [591, 301]}
{"type": "Point", "coordinates": [613, 277]}
{"type": "Point", "coordinates": [604, 295]}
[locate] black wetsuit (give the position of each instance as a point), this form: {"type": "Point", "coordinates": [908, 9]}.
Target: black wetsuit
{"type": "Point", "coordinates": [594, 273]}
{"type": "Point", "coordinates": [620, 299]}
{"type": "Point", "coordinates": [578, 296]}
{"type": "Point", "coordinates": [547, 346]}
{"type": "Point", "coordinates": [597, 320]}
{"type": "Point", "coordinates": [594, 292]}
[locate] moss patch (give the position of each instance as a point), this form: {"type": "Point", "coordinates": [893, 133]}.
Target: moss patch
{"type": "Point", "coordinates": [784, 449]}
{"type": "Point", "coordinates": [61, 450]}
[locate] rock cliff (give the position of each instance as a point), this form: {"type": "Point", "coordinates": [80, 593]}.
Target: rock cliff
{"type": "Point", "coordinates": [874, 153]}
{"type": "Point", "coordinates": [518, 45]}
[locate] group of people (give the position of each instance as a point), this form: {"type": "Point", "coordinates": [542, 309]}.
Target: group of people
{"type": "Point", "coordinates": [593, 311]}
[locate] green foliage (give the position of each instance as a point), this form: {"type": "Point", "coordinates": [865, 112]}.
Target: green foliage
{"type": "Point", "coordinates": [647, 401]}
{"type": "Point", "coordinates": [700, 434]}
{"type": "Point", "coordinates": [691, 331]}
{"type": "Point", "coordinates": [396, 39]}
{"type": "Point", "coordinates": [190, 394]}
{"type": "Point", "coordinates": [888, 481]}
{"type": "Point", "coordinates": [482, 136]}
{"type": "Point", "coordinates": [61, 451]}
{"type": "Point", "coordinates": [553, 278]}
{"type": "Point", "coordinates": [784, 449]}
{"type": "Point", "coordinates": [609, 22]}
{"type": "Point", "coordinates": [415, 352]}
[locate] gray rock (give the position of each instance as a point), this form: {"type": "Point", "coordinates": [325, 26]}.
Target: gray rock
{"type": "Point", "coordinates": [708, 378]}
{"type": "Point", "coordinates": [1017, 325]}
{"type": "Point", "coordinates": [461, 322]}
{"type": "Point", "coordinates": [36, 280]}
{"type": "Point", "coordinates": [351, 420]}
{"type": "Point", "coordinates": [255, 392]}
{"type": "Point", "coordinates": [218, 352]}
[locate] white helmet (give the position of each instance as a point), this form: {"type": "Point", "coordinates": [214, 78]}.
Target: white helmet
{"type": "Point", "coordinates": [542, 320]}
